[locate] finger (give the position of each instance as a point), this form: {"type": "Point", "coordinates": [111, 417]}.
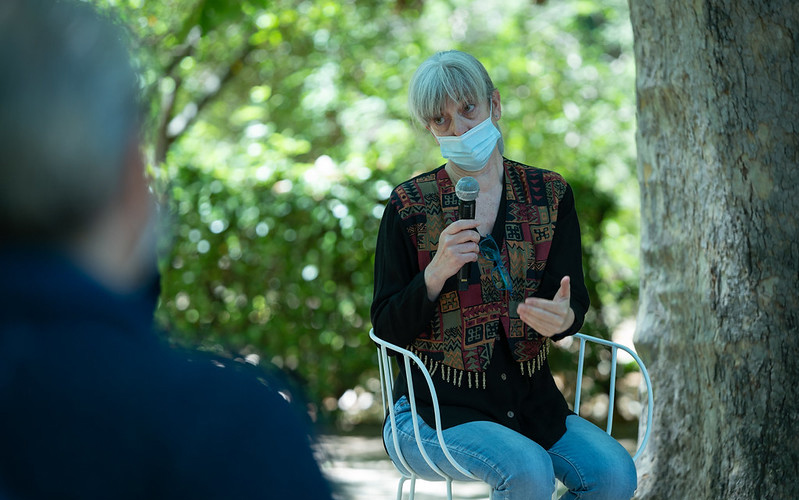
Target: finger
{"type": "Point", "coordinates": [564, 292]}
{"type": "Point", "coordinates": [461, 242]}
{"type": "Point", "coordinates": [543, 322]}
{"type": "Point", "coordinates": [463, 236]}
{"type": "Point", "coordinates": [469, 250]}
{"type": "Point", "coordinates": [556, 303]}
{"type": "Point", "coordinates": [462, 224]}
{"type": "Point", "coordinates": [550, 306]}
{"type": "Point", "coordinates": [550, 312]}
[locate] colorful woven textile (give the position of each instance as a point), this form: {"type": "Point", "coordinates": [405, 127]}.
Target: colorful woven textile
{"type": "Point", "coordinates": [460, 339]}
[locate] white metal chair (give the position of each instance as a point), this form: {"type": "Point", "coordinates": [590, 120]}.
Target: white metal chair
{"type": "Point", "coordinates": [407, 357]}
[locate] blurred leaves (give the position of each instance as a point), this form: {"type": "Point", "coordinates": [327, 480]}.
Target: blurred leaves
{"type": "Point", "coordinates": [277, 130]}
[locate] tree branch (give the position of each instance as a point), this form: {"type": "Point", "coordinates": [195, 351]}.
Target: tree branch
{"type": "Point", "coordinates": [199, 105]}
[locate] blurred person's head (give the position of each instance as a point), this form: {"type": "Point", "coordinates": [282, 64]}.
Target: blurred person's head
{"type": "Point", "coordinates": [71, 172]}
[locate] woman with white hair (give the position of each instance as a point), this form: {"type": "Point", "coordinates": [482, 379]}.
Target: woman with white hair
{"type": "Point", "coordinates": [486, 342]}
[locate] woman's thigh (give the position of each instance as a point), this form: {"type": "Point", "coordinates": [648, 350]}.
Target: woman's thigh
{"type": "Point", "coordinates": [514, 466]}
{"type": "Point", "coordinates": [592, 464]}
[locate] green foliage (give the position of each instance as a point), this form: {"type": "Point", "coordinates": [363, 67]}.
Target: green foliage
{"type": "Point", "coordinates": [279, 128]}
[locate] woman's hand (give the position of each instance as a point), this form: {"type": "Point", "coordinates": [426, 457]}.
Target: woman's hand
{"type": "Point", "coordinates": [457, 245]}
{"type": "Point", "coordinates": [549, 317]}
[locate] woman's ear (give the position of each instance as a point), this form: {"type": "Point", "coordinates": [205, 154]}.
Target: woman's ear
{"type": "Point", "coordinates": [497, 105]}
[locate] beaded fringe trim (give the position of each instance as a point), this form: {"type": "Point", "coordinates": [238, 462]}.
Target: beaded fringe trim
{"type": "Point", "coordinates": [535, 364]}
{"type": "Point", "coordinates": [475, 380]}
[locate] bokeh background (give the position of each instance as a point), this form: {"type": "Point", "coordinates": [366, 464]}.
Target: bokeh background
{"type": "Point", "coordinates": [277, 129]}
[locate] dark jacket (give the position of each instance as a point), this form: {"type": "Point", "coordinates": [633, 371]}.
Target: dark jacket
{"type": "Point", "coordinates": [93, 404]}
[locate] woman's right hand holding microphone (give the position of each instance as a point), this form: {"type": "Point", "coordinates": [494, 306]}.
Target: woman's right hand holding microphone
{"type": "Point", "coordinates": [458, 245]}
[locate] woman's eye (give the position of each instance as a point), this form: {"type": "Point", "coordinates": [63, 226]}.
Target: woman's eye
{"type": "Point", "coordinates": [438, 120]}
{"type": "Point", "coordinates": [468, 108]}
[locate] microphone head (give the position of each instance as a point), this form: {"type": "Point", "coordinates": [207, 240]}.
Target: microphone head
{"type": "Point", "coordinates": [467, 189]}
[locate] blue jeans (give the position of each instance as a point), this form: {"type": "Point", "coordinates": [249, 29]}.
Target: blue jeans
{"type": "Point", "coordinates": [590, 463]}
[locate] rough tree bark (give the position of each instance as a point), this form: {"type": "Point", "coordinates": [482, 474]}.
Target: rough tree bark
{"type": "Point", "coordinates": [718, 127]}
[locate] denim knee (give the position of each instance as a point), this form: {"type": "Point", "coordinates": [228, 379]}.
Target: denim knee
{"type": "Point", "coordinates": [619, 477]}
{"type": "Point", "coordinates": [602, 480]}
{"type": "Point", "coordinates": [592, 464]}
{"type": "Point", "coordinates": [526, 478]}
{"type": "Point", "coordinates": [624, 478]}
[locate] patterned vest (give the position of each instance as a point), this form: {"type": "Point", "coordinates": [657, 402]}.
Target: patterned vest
{"type": "Point", "coordinates": [460, 339]}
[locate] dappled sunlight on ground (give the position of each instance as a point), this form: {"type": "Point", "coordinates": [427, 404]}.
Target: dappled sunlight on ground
{"type": "Point", "coordinates": [359, 469]}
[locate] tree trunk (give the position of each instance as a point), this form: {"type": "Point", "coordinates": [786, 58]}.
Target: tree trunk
{"type": "Point", "coordinates": [718, 121]}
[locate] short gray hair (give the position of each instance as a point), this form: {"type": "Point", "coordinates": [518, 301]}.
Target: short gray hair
{"type": "Point", "coordinates": [454, 74]}
{"type": "Point", "coordinates": [69, 112]}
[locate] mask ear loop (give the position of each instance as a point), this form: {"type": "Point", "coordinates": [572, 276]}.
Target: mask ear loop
{"type": "Point", "coordinates": [500, 141]}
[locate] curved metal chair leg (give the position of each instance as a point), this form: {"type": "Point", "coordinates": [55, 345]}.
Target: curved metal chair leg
{"type": "Point", "coordinates": [399, 487]}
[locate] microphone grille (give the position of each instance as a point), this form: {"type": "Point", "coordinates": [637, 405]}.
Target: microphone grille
{"type": "Point", "coordinates": [467, 189]}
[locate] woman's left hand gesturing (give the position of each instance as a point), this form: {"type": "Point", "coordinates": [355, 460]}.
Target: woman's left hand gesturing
{"type": "Point", "coordinates": [549, 317]}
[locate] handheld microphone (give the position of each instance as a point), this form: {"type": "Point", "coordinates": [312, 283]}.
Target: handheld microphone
{"type": "Point", "coordinates": [466, 190]}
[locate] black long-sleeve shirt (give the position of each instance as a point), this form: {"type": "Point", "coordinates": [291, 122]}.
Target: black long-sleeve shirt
{"type": "Point", "coordinates": [531, 405]}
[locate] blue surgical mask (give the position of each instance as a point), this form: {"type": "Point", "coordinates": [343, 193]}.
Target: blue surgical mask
{"type": "Point", "coordinates": [471, 150]}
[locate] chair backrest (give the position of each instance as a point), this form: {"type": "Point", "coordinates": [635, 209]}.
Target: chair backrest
{"type": "Point", "coordinates": [614, 349]}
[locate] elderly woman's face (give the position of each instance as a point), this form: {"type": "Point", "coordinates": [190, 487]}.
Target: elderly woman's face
{"type": "Point", "coordinates": [457, 118]}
